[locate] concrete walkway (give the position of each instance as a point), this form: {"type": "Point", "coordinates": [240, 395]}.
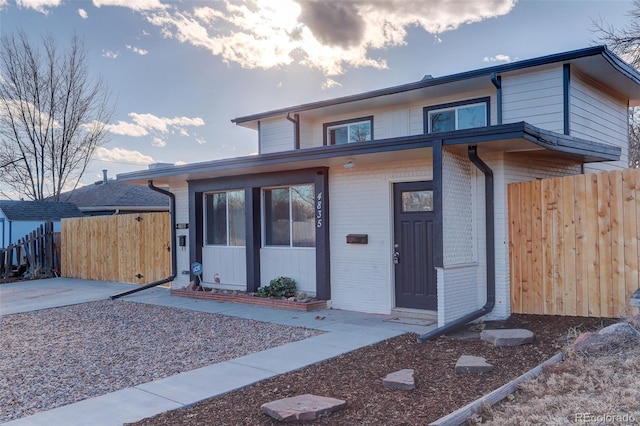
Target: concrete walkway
{"type": "Point", "coordinates": [345, 331]}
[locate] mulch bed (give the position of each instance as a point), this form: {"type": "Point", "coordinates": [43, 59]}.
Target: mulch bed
{"type": "Point", "coordinates": [357, 378]}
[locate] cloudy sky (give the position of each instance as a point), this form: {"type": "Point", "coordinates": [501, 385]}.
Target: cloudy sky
{"type": "Point", "coordinates": [181, 70]}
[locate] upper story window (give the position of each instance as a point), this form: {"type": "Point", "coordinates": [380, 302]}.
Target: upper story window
{"type": "Point", "coordinates": [457, 116]}
{"type": "Point", "coordinates": [289, 216]}
{"type": "Point", "coordinates": [224, 218]}
{"type": "Point", "coordinates": [348, 131]}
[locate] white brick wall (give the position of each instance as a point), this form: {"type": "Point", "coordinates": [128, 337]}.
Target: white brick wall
{"type": "Point", "coordinates": [181, 193]}
{"type": "Point", "coordinates": [457, 215]}
{"type": "Point", "coordinates": [457, 292]}
{"type": "Point", "coordinates": [361, 203]}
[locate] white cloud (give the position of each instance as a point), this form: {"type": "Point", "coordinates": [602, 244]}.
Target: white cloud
{"type": "Point", "coordinates": [127, 129]}
{"type": "Point", "coordinates": [322, 35]}
{"type": "Point", "coordinates": [149, 124]}
{"type": "Point", "coordinates": [158, 142]}
{"type": "Point", "coordinates": [137, 50]}
{"type": "Point", "coordinates": [329, 83]}
{"type": "Point", "coordinates": [83, 13]}
{"type": "Point", "coordinates": [497, 58]}
{"type": "Point", "coordinates": [110, 54]}
{"type": "Point", "coordinates": [37, 5]}
{"type": "Point", "coordinates": [3, 3]}
{"type": "Point", "coordinates": [137, 5]}
{"type": "Point", "coordinates": [122, 155]}
{"type": "Point", "coordinates": [201, 141]}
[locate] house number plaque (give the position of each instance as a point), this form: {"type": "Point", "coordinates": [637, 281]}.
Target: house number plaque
{"type": "Point", "coordinates": [319, 210]}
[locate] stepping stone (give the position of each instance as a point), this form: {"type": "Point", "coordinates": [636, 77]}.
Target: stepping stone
{"type": "Point", "coordinates": [621, 327]}
{"type": "Point", "coordinates": [509, 337]}
{"type": "Point", "coordinates": [400, 380]}
{"type": "Point", "coordinates": [472, 365]}
{"type": "Point", "coordinates": [302, 407]}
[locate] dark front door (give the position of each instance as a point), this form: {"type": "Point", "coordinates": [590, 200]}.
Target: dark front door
{"type": "Point", "coordinates": [413, 246]}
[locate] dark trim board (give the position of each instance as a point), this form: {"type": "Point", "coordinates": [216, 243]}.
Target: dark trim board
{"type": "Point", "coordinates": [566, 87]}
{"type": "Point", "coordinates": [438, 237]}
{"type": "Point", "coordinates": [252, 185]}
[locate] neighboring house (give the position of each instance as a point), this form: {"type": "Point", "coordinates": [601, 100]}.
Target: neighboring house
{"type": "Point", "coordinates": [377, 201]}
{"type": "Point", "coordinates": [107, 197]}
{"type": "Point", "coordinates": [19, 218]}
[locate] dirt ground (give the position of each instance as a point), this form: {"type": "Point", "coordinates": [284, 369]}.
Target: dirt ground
{"type": "Point", "coordinates": [357, 377]}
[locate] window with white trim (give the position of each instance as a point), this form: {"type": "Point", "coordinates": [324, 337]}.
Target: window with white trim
{"type": "Point", "coordinates": [349, 131]}
{"type": "Point", "coordinates": [457, 116]}
{"type": "Point", "coordinates": [224, 218]}
{"type": "Point", "coordinates": [289, 216]}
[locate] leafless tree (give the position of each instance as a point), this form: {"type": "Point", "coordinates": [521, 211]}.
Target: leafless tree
{"type": "Point", "coordinates": [53, 115]}
{"type": "Point", "coordinates": [625, 42]}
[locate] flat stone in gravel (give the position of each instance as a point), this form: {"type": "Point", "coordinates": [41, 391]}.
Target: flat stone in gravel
{"type": "Point", "coordinates": [621, 327]}
{"type": "Point", "coordinates": [400, 380]}
{"type": "Point", "coordinates": [472, 365]}
{"type": "Point", "coordinates": [302, 407]}
{"type": "Point", "coordinates": [507, 337]}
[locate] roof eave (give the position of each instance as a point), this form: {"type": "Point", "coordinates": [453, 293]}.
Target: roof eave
{"type": "Point", "coordinates": [513, 66]}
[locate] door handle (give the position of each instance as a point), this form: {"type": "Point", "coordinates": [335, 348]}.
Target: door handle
{"type": "Point", "coordinates": [396, 257]}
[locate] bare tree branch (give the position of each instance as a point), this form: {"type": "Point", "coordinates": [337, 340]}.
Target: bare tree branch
{"type": "Point", "coordinates": [625, 42]}
{"type": "Point", "coordinates": [53, 115]}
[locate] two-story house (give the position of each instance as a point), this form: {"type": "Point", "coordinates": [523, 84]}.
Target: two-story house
{"type": "Point", "coordinates": [395, 199]}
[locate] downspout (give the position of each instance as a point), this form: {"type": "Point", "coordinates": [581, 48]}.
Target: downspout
{"type": "Point", "coordinates": [174, 261]}
{"type": "Point", "coordinates": [296, 129]}
{"type": "Point", "coordinates": [491, 258]}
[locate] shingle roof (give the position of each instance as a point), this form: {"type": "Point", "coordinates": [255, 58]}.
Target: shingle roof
{"type": "Point", "coordinates": [116, 194]}
{"type": "Point", "coordinates": [38, 210]}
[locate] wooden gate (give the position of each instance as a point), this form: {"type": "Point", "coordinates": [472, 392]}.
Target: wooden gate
{"type": "Point", "coordinates": [573, 246]}
{"type": "Point", "coordinates": [133, 248]}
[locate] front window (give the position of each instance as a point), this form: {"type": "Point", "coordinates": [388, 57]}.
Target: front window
{"type": "Point", "coordinates": [224, 218]}
{"type": "Point", "coordinates": [289, 216]}
{"type": "Point", "coordinates": [457, 116]}
{"type": "Point", "coordinates": [349, 131]}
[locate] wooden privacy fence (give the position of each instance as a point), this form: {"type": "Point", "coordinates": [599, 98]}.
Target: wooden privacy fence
{"type": "Point", "coordinates": [574, 244]}
{"type": "Point", "coordinates": [35, 254]}
{"type": "Point", "coordinates": [133, 248]}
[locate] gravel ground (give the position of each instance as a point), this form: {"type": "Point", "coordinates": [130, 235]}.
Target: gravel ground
{"type": "Point", "coordinates": [59, 356]}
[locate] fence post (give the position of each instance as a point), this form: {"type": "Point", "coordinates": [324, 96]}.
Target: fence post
{"type": "Point", "coordinates": [48, 248]}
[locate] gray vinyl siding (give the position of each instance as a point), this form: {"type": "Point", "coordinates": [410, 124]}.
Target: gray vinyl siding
{"type": "Point", "coordinates": [535, 97]}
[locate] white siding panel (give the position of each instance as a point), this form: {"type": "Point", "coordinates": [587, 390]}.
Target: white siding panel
{"type": "Point", "coordinates": [276, 136]}
{"type": "Point", "coordinates": [361, 203]}
{"type": "Point", "coordinates": [181, 193]}
{"type": "Point", "coordinates": [598, 115]}
{"type": "Point", "coordinates": [536, 98]}
{"type": "Point", "coordinates": [229, 263]}
{"type": "Point", "coordinates": [306, 134]}
{"type": "Point", "coordinates": [397, 121]}
{"type": "Point", "coordinates": [296, 263]}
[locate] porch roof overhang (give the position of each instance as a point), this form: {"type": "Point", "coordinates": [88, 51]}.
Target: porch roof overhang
{"type": "Point", "coordinates": [515, 137]}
